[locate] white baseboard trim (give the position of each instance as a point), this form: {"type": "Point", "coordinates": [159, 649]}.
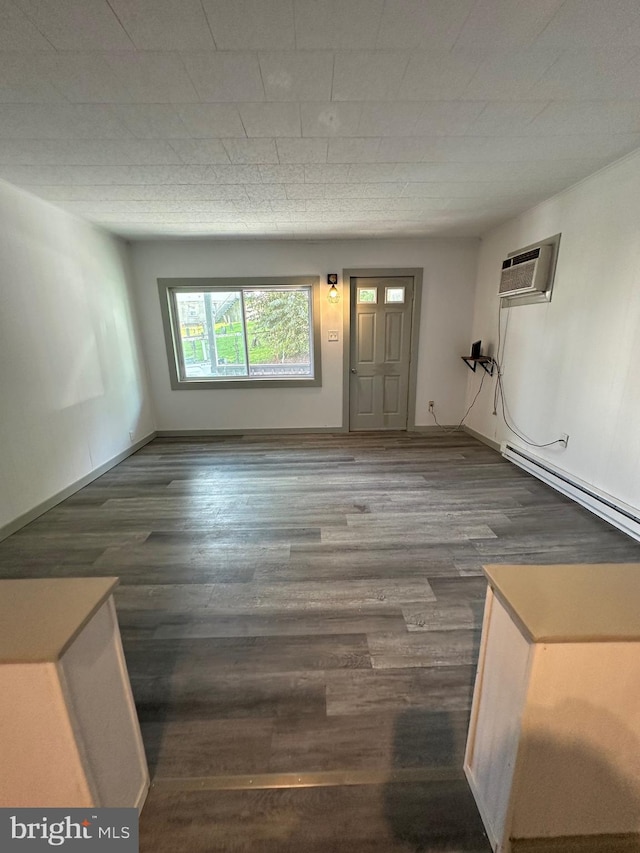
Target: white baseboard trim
{"type": "Point", "coordinates": [49, 503]}
{"type": "Point", "coordinates": [490, 442]}
{"type": "Point", "coordinates": [194, 433]}
{"type": "Point", "coordinates": [428, 428]}
{"type": "Point", "coordinates": [626, 518]}
{"type": "Point", "coordinates": [432, 428]}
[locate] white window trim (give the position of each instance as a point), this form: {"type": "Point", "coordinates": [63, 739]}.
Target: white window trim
{"type": "Point", "coordinates": [168, 286]}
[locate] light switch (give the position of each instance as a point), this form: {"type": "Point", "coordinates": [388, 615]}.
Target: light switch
{"type": "Point", "coordinates": [333, 335]}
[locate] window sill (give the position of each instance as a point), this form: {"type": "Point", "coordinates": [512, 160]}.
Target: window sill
{"type": "Point", "coordinates": [219, 384]}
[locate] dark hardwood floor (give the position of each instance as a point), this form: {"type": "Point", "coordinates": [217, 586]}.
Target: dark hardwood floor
{"type": "Point", "coordinates": [301, 618]}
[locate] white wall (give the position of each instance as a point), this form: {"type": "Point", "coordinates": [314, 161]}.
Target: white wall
{"type": "Point", "coordinates": [449, 276]}
{"type": "Point", "coordinates": [572, 365]}
{"type": "Point", "coordinates": [72, 385]}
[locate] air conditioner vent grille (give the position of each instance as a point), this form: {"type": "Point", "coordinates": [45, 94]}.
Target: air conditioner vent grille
{"type": "Point", "coordinates": [526, 272]}
{"type": "Point", "coordinates": [517, 278]}
{"type": "Point", "coordinates": [532, 255]}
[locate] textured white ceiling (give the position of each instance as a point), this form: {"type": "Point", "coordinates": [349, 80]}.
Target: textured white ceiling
{"type": "Point", "coordinates": [313, 118]}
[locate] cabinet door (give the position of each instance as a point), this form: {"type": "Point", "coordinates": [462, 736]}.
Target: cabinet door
{"type": "Point", "coordinates": [496, 718]}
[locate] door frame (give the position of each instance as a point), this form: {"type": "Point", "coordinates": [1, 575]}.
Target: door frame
{"type": "Point", "coordinates": [381, 272]}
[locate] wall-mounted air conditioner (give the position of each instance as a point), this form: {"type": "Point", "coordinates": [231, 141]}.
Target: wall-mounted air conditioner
{"type": "Point", "coordinates": [527, 272]}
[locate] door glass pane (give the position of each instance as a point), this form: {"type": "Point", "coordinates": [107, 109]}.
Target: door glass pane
{"type": "Point", "coordinates": [367, 294]}
{"type": "Point", "coordinates": [279, 332]}
{"type": "Point", "coordinates": [394, 294]}
{"type": "Point", "coordinates": [212, 334]}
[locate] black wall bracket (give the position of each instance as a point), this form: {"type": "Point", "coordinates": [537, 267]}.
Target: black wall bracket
{"type": "Point", "coordinates": [485, 362]}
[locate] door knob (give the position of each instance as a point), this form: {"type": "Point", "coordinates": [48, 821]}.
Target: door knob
{"type": "Point", "coordinates": [353, 370]}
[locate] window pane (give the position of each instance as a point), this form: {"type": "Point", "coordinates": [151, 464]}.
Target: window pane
{"type": "Point", "coordinates": [279, 332]}
{"type": "Point", "coordinates": [394, 294]}
{"type": "Point", "coordinates": [212, 334]}
{"type": "Point", "coordinates": [367, 294]}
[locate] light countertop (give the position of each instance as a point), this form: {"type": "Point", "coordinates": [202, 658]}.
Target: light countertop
{"type": "Point", "coordinates": [40, 618]}
{"type": "Point", "coordinates": [571, 603]}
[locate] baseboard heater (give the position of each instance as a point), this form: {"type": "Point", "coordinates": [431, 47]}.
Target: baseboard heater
{"type": "Point", "coordinates": [621, 515]}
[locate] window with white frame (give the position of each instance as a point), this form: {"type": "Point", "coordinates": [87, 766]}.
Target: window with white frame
{"type": "Point", "coordinates": [239, 332]}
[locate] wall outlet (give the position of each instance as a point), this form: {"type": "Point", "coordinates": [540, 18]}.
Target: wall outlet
{"type": "Point", "coordinates": [131, 436]}
{"type": "Point", "coordinates": [564, 438]}
{"type": "Point", "coordinates": [332, 335]}
{"type": "Point", "coordinates": [430, 405]}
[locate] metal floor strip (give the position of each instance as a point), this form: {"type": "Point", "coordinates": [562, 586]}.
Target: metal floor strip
{"type": "Point", "coordinates": [320, 779]}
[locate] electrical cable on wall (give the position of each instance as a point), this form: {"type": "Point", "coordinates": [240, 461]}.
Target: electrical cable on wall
{"type": "Point", "coordinates": [459, 426]}
{"type": "Point", "coordinates": [499, 395]}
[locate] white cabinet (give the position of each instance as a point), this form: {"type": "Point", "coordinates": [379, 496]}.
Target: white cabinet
{"type": "Point", "coordinates": [553, 753]}
{"type": "Point", "coordinates": [69, 734]}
